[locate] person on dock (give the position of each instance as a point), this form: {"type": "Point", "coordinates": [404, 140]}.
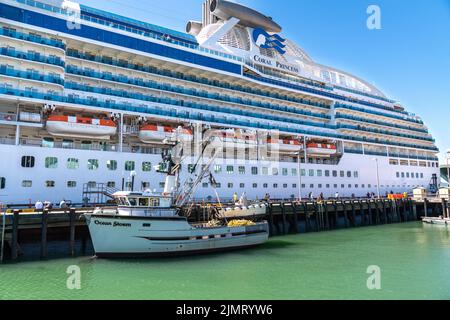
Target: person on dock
{"type": "Point", "coordinates": [39, 205]}
{"type": "Point", "coordinates": [235, 197]}
{"type": "Point", "coordinates": [63, 204]}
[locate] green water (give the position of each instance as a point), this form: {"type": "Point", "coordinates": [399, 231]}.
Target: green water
{"type": "Point", "coordinates": [414, 262]}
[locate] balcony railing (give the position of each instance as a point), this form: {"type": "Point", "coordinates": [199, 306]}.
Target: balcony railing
{"type": "Point", "coordinates": [189, 78]}
{"type": "Point", "coordinates": [386, 132]}
{"type": "Point", "coordinates": [187, 116]}
{"type": "Point", "coordinates": [381, 123]}
{"type": "Point", "coordinates": [32, 57]}
{"type": "Point", "coordinates": [349, 107]}
{"type": "Point", "coordinates": [191, 92]}
{"type": "Point", "coordinates": [192, 105]}
{"type": "Point", "coordinates": [4, 70]}
{"type": "Point", "coordinates": [32, 38]}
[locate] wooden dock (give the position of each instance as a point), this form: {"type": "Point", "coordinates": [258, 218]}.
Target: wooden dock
{"type": "Point", "coordinates": [68, 226]}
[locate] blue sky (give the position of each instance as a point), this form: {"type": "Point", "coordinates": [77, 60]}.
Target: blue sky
{"type": "Point", "coordinates": [408, 59]}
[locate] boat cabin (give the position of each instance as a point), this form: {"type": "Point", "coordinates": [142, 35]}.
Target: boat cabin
{"type": "Point", "coordinates": [146, 204]}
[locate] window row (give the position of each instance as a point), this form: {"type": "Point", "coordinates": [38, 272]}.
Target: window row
{"type": "Point", "coordinates": [408, 175]}
{"type": "Point", "coordinates": [414, 163]}
{"type": "Point", "coordinates": [92, 164]}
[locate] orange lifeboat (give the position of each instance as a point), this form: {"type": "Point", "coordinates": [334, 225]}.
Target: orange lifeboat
{"type": "Point", "coordinates": [231, 139]}
{"type": "Point", "coordinates": [151, 133]}
{"type": "Point", "coordinates": [72, 126]}
{"type": "Point", "coordinates": [284, 145]}
{"type": "Point", "coordinates": [321, 149]}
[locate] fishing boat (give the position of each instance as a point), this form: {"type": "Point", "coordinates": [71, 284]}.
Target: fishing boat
{"type": "Point", "coordinates": [436, 220]}
{"type": "Point", "coordinates": [145, 224]}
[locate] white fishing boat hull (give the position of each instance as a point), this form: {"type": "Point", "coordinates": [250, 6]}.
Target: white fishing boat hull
{"type": "Point", "coordinates": [437, 221]}
{"type": "Point", "coordinates": [242, 212]}
{"type": "Point", "coordinates": [133, 237]}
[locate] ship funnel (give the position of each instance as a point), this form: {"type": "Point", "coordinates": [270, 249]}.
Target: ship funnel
{"type": "Point", "coordinates": [225, 10]}
{"type": "Point", "coordinates": [194, 27]}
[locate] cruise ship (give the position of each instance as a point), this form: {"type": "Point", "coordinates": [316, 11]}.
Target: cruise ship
{"type": "Point", "coordinates": [88, 97]}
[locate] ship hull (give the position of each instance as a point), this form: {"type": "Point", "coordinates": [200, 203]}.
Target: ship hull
{"type": "Point", "coordinates": [136, 237]}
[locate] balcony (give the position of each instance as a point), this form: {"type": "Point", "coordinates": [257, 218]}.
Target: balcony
{"type": "Point", "coordinates": [185, 116]}
{"type": "Point", "coordinates": [381, 123]}
{"type": "Point", "coordinates": [192, 105]}
{"type": "Point", "coordinates": [383, 114]}
{"type": "Point", "coordinates": [4, 70]}
{"type": "Point", "coordinates": [385, 132]}
{"type": "Point", "coordinates": [56, 61]}
{"type": "Point", "coordinates": [31, 38]}
{"type": "Point", "coordinates": [191, 92]}
{"type": "Point", "coordinates": [188, 78]}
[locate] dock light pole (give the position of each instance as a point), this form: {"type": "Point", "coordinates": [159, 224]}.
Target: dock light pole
{"type": "Point", "coordinates": [448, 167]}
{"type": "Point", "coordinates": [299, 173]}
{"type": "Point", "coordinates": [378, 178]}
{"type": "Point", "coordinates": [132, 175]}
{"type": "Point", "coordinates": [3, 231]}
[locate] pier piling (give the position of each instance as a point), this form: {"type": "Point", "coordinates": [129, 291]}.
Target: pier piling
{"type": "Point", "coordinates": [295, 213]}
{"type": "Point", "coordinates": [44, 228]}
{"type": "Point", "coordinates": [15, 235]}
{"type": "Point", "coordinates": [72, 231]}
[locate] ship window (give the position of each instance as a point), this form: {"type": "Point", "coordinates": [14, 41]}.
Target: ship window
{"type": "Point", "coordinates": [319, 173]}
{"type": "Point", "coordinates": [129, 165]}
{"type": "Point", "coordinates": [86, 145]}
{"type": "Point", "coordinates": [242, 185]}
{"type": "Point", "coordinates": [92, 164]}
{"type": "Point", "coordinates": [356, 174]}
{"type": "Point", "coordinates": [154, 202]}
{"type": "Point", "coordinates": [205, 185]}
{"type": "Point", "coordinates": [92, 184]}
{"type": "Point", "coordinates": [143, 202]}
{"type": "Point", "coordinates": [71, 184]}
{"type": "Point", "coordinates": [349, 174]}
{"type": "Point", "coordinates": [265, 171]}
{"type": "Point", "coordinates": [133, 201]}
{"type": "Point", "coordinates": [230, 185]}
{"type": "Point", "coordinates": [145, 185]}
{"type": "Point", "coordinates": [294, 185]}
{"type": "Point", "coordinates": [28, 162]}
{"type": "Point", "coordinates": [162, 184]}
{"type": "Point", "coordinates": [275, 171]}
{"type": "Point", "coordinates": [334, 173]}
{"type": "Point", "coordinates": [72, 163]}
{"type": "Point", "coordinates": [285, 185]}
{"type": "Point", "coordinates": [275, 185]}
{"type": "Point", "coordinates": [50, 184]}
{"type": "Point", "coordinates": [217, 168]}
{"type": "Point", "coordinates": [128, 185]}
{"type": "Point", "coordinates": [2, 183]}
{"type": "Point", "coordinates": [294, 172]}
{"type": "Point", "coordinates": [48, 143]}
{"type": "Point", "coordinates": [111, 184]}
{"type": "Point", "coordinates": [67, 144]}
{"type": "Point", "coordinates": [303, 172]}
{"type": "Point", "coordinates": [241, 170]}
{"type": "Point", "coordinates": [27, 183]}
{"type": "Point", "coordinates": [398, 174]}
{"type": "Point", "coordinates": [265, 185]}
{"type": "Point", "coordinates": [311, 172]}
{"type": "Point", "coordinates": [230, 169]}
{"type": "Point", "coordinates": [255, 185]}
{"type": "Point", "coordinates": [327, 173]}
{"type": "Point", "coordinates": [111, 165]}
{"type": "Point", "coordinates": [421, 175]}
{"type": "Point", "coordinates": [342, 174]}
{"type": "Point", "coordinates": [407, 174]}
{"type": "Point", "coordinates": [254, 171]}
{"type": "Point", "coordinates": [146, 166]}
{"type": "Point", "coordinates": [311, 186]}
{"type": "Point", "coordinates": [51, 163]}
{"type": "Point", "coordinates": [285, 171]}
{"type": "Point", "coordinates": [403, 174]}
{"type": "Point", "coordinates": [218, 185]}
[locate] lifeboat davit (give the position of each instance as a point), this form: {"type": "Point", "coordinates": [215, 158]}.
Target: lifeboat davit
{"type": "Point", "coordinates": [231, 139]}
{"type": "Point", "coordinates": [79, 127]}
{"type": "Point", "coordinates": [154, 134]}
{"type": "Point", "coordinates": [284, 145]}
{"type": "Point", "coordinates": [321, 149]}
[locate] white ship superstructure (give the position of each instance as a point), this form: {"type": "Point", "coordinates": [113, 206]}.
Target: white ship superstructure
{"type": "Point", "coordinates": [87, 97]}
